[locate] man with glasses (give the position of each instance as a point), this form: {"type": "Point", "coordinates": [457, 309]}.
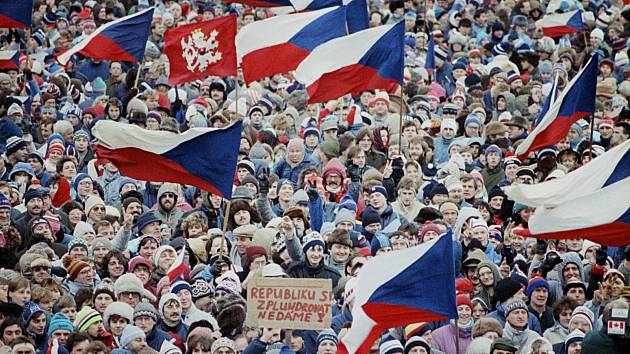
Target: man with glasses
{"type": "Point", "coordinates": [40, 270]}
{"type": "Point", "coordinates": [94, 209]}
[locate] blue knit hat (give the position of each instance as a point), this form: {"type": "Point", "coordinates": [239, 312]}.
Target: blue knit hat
{"type": "Point", "coordinates": [31, 194]}
{"type": "Point", "coordinates": [31, 310]}
{"type": "Point", "coordinates": [59, 321]}
{"type": "Point", "coordinates": [129, 334]}
{"type": "Point", "coordinates": [327, 334]}
{"type": "Point", "coordinates": [312, 239]}
{"type": "Point", "coordinates": [180, 285]}
{"type": "Point", "coordinates": [534, 283]}
{"type": "Point", "coordinates": [312, 130]}
{"type": "Point", "coordinates": [492, 148]}
{"type": "Point", "coordinates": [78, 178]}
{"type": "Point", "coordinates": [145, 219]}
{"type": "Point", "coordinates": [379, 241]}
{"type": "Point", "coordinates": [282, 182]}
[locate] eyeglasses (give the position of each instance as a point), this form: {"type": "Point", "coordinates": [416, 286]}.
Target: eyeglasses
{"type": "Point", "coordinates": [99, 208]}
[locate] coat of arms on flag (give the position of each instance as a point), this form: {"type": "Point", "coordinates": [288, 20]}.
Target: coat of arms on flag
{"type": "Point", "coordinates": [201, 49]}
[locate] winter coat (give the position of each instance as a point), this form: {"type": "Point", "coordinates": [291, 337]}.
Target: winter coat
{"type": "Point", "coordinates": [444, 339]}
{"type": "Point", "coordinates": [596, 342]}
{"type": "Point", "coordinates": [556, 334]}
{"type": "Point", "coordinates": [409, 212]}
{"type": "Point", "coordinates": [499, 315]}
{"type": "Point", "coordinates": [111, 187]}
{"type": "Point", "coordinates": [441, 150]}
{"type": "Point", "coordinates": [556, 286]}
{"type": "Point", "coordinates": [302, 269]}
{"type": "Point", "coordinates": [520, 338]}
{"type": "Point", "coordinates": [156, 337]}
{"type": "Point", "coordinates": [179, 332]}
{"type": "Point", "coordinates": [482, 293]}
{"type": "Point", "coordinates": [492, 176]}
{"type": "Point", "coordinates": [284, 170]}
{"type": "Point", "coordinates": [170, 217]}
{"type": "Point", "coordinates": [339, 320]}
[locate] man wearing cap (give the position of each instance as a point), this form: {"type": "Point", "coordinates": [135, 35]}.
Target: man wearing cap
{"type": "Point", "coordinates": [538, 293]}
{"type": "Point", "coordinates": [132, 340]}
{"type": "Point", "coordinates": [34, 202]}
{"type": "Point", "coordinates": [16, 151]}
{"type": "Point", "coordinates": [60, 328]}
{"type": "Point", "coordinates": [145, 316]}
{"type": "Point", "coordinates": [503, 346]}
{"type": "Point", "coordinates": [380, 204]}
{"type": "Point", "coordinates": [493, 173]}
{"type": "Point", "coordinates": [170, 321]}
{"type": "Point", "coordinates": [243, 236]}
{"type": "Point", "coordinates": [327, 342]}
{"type": "Point", "coordinates": [37, 163]}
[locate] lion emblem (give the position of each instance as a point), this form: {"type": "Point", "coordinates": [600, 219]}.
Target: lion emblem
{"type": "Point", "coordinates": [200, 50]}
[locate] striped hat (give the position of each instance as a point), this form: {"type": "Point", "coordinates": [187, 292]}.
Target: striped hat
{"type": "Point", "coordinates": [85, 318]}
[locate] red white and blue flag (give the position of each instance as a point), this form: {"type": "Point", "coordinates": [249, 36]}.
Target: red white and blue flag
{"type": "Point", "coordinates": [178, 268]}
{"type": "Point", "coordinates": [16, 13]}
{"type": "Point", "coordinates": [556, 25]}
{"type": "Point", "coordinates": [551, 99]}
{"type": "Point", "coordinates": [124, 39]}
{"type": "Point", "coordinates": [286, 38]}
{"type": "Point", "coordinates": [201, 157]}
{"type": "Point", "coordinates": [262, 3]}
{"type": "Point", "coordinates": [356, 11]}
{"type": "Point", "coordinates": [402, 287]}
{"type": "Point", "coordinates": [590, 202]}
{"type": "Point", "coordinates": [9, 59]}
{"type": "Point", "coordinates": [366, 60]}
{"type": "Point", "coordinates": [576, 101]}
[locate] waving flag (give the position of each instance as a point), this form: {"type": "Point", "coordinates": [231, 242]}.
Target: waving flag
{"type": "Point", "coordinates": [551, 99]}
{"type": "Point", "coordinates": [556, 25]}
{"type": "Point", "coordinates": [177, 269]}
{"type": "Point", "coordinates": [16, 13]}
{"type": "Point", "coordinates": [590, 202]}
{"type": "Point", "coordinates": [402, 287]}
{"type": "Point", "coordinates": [576, 102]}
{"type": "Point", "coordinates": [262, 3]}
{"type": "Point", "coordinates": [124, 39]}
{"type": "Point", "coordinates": [366, 60]}
{"type": "Point", "coordinates": [9, 59]}
{"type": "Point", "coordinates": [288, 39]}
{"type": "Point", "coordinates": [356, 11]}
{"type": "Point", "coordinates": [429, 62]}
{"type": "Point", "coordinates": [203, 49]}
{"type": "Point", "coordinates": [202, 157]}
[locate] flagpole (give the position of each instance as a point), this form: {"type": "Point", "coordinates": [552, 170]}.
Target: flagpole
{"type": "Point", "coordinates": [225, 222]}
{"type": "Point", "coordinates": [456, 337]}
{"type": "Point", "coordinates": [590, 140]}
{"type": "Point", "coordinates": [135, 85]}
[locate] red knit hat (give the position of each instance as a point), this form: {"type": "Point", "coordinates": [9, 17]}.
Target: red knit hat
{"type": "Point", "coordinates": [74, 266]}
{"type": "Point", "coordinates": [429, 226]}
{"type": "Point", "coordinates": [464, 300]}
{"type": "Point", "coordinates": [464, 285]}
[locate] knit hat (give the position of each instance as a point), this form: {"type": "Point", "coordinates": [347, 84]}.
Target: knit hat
{"type": "Point", "coordinates": [515, 305]}
{"type": "Point", "coordinates": [13, 144]}
{"type": "Point", "coordinates": [534, 283]}
{"type": "Point", "coordinates": [101, 241]}
{"type": "Point", "coordinates": [312, 239]}
{"type": "Point", "coordinates": [78, 178]}
{"type": "Point", "coordinates": [169, 348]}
{"type": "Point", "coordinates": [327, 334]}
{"type": "Point", "coordinates": [229, 282]}
{"type": "Point", "coordinates": [503, 344]}
{"type": "Point", "coordinates": [91, 202]}
{"type": "Point", "coordinates": [74, 266]}
{"type": "Point", "coordinates": [417, 341]}
{"type": "Point", "coordinates": [145, 219]}
{"type": "Point", "coordinates": [80, 229]}
{"type": "Point", "coordinates": [166, 298]}
{"type": "Point", "coordinates": [31, 310]}
{"type": "Point", "coordinates": [223, 342]}
{"type": "Point", "coordinates": [5, 204]}
{"type": "Point", "coordinates": [464, 300]}
{"type": "Point", "coordinates": [429, 226]}
{"type": "Point", "coordinates": [179, 285]}
{"type": "Point", "coordinates": [118, 308]}
{"type": "Point", "coordinates": [583, 312]}
{"type": "Point", "coordinates": [159, 251]}
{"type": "Point", "coordinates": [390, 345]}
{"type": "Point", "coordinates": [378, 189]}
{"type": "Point", "coordinates": [200, 289]}
{"type": "Point", "coordinates": [145, 309]}
{"type": "Point", "coordinates": [129, 334]}
{"type": "Point", "coordinates": [463, 285]}
{"type": "Point", "coordinates": [575, 336]}
{"type": "Point", "coordinates": [139, 260]}
{"type": "Point", "coordinates": [506, 288]}
{"type": "Point", "coordinates": [345, 215]}
{"type": "Point", "coordinates": [59, 321]}
{"type": "Point", "coordinates": [369, 217]}
{"type": "Point", "coordinates": [85, 318]}
{"type": "Point", "coordinates": [130, 283]}
{"type": "Point", "coordinates": [573, 283]}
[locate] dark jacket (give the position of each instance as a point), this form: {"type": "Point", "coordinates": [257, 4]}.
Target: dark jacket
{"type": "Point", "coordinates": [302, 269]}
{"type": "Point", "coordinates": [156, 337]}
{"type": "Point", "coordinates": [596, 342]}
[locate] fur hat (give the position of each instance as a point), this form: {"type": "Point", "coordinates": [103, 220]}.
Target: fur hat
{"type": "Point", "coordinates": [118, 308]}
{"type": "Point", "coordinates": [229, 312]}
{"type": "Point", "coordinates": [340, 237]}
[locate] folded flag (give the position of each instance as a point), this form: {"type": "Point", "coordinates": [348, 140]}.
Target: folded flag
{"type": "Point", "coordinates": [366, 60]}
{"type": "Point", "coordinates": [177, 269]}
{"type": "Point", "coordinates": [429, 62]}
{"type": "Point", "coordinates": [16, 14]}
{"type": "Point", "coordinates": [399, 288]}
{"type": "Point", "coordinates": [203, 49]}
{"type": "Point", "coordinates": [286, 38]}
{"type": "Point", "coordinates": [590, 202]}
{"type": "Point", "coordinates": [262, 3]}
{"type": "Point", "coordinates": [123, 39]}
{"type": "Point", "coordinates": [556, 25]}
{"type": "Point", "coordinates": [576, 101]}
{"type": "Point", "coordinates": [356, 11]}
{"type": "Point", "coordinates": [202, 157]}
{"type": "Point", "coordinates": [9, 59]}
{"type": "Point", "coordinates": [551, 99]}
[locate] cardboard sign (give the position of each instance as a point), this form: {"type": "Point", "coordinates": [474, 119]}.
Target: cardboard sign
{"type": "Point", "coordinates": [291, 303]}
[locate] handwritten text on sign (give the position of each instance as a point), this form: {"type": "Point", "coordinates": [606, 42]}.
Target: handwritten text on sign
{"type": "Point", "coordinates": [290, 303]}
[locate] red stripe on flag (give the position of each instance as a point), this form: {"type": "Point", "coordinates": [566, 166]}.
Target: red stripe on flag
{"type": "Point", "coordinates": [558, 31]}
{"type": "Point", "coordinates": [286, 57]}
{"type": "Point", "coordinates": [613, 234]}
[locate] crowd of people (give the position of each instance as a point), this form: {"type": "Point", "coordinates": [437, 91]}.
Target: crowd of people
{"type": "Point", "coordinates": [319, 188]}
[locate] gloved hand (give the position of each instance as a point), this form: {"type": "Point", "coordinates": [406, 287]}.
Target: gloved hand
{"type": "Point", "coordinates": [354, 173]}
{"type": "Point", "coordinates": [311, 191]}
{"type": "Point", "coordinates": [263, 180]}
{"type": "Point", "coordinates": [549, 264]}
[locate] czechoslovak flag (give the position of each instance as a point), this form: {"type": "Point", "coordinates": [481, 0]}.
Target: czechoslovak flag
{"type": "Point", "coordinates": [9, 59]}
{"type": "Point", "coordinates": [365, 60]}
{"type": "Point", "coordinates": [201, 157]}
{"type": "Point", "coordinates": [202, 49]}
{"type": "Point", "coordinates": [402, 287]}
{"type": "Point", "coordinates": [556, 25]}
{"type": "Point", "coordinates": [16, 13]}
{"type": "Point", "coordinates": [123, 39]}
{"type": "Point", "coordinates": [177, 268]}
{"type": "Point", "coordinates": [590, 202]}
{"type": "Point", "coordinates": [288, 39]}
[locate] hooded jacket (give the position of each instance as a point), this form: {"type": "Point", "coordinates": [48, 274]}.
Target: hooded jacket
{"type": "Point", "coordinates": [482, 293]}
{"type": "Point", "coordinates": [556, 286]}
{"type": "Point", "coordinates": [444, 339]}
{"type": "Point", "coordinates": [335, 166]}
{"type": "Point", "coordinates": [173, 216]}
